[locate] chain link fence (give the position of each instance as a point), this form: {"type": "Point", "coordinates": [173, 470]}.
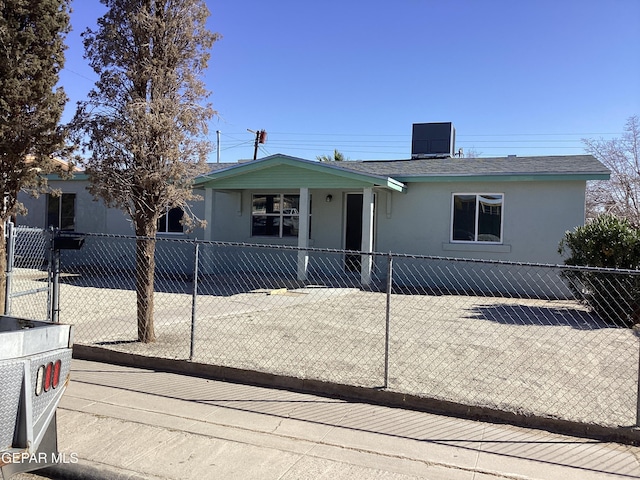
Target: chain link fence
{"type": "Point", "coordinates": [523, 338]}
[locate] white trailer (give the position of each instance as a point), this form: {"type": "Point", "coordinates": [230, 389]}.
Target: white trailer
{"type": "Point", "coordinates": [35, 361]}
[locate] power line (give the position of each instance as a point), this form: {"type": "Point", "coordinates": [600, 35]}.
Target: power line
{"type": "Point", "coordinates": [92, 80]}
{"type": "Point", "coordinates": [408, 135]}
{"type": "Point", "coordinates": [399, 146]}
{"type": "Point", "coordinates": [237, 145]}
{"type": "Point", "coordinates": [369, 145]}
{"type": "Point", "coordinates": [406, 152]}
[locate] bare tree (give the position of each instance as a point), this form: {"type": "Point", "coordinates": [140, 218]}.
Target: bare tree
{"type": "Point", "coordinates": [31, 56]}
{"type": "Point", "coordinates": [472, 153]}
{"type": "Point", "coordinates": [620, 195]}
{"type": "Point", "coordinates": [145, 122]}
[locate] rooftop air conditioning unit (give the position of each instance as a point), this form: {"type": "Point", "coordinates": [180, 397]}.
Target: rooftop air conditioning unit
{"type": "Point", "coordinates": [433, 140]}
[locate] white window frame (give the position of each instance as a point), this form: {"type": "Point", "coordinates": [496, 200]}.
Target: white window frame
{"type": "Point", "coordinates": [477, 214]}
{"type": "Point", "coordinates": [60, 199]}
{"type": "Point", "coordinates": [166, 230]}
{"type": "Point", "coordinates": [281, 215]}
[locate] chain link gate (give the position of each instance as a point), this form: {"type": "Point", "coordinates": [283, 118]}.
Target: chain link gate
{"type": "Point", "coordinates": [33, 257]}
{"type": "Point", "coordinates": [28, 260]}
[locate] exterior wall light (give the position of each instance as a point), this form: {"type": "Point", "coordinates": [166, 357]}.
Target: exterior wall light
{"type": "Point", "coordinates": [329, 198]}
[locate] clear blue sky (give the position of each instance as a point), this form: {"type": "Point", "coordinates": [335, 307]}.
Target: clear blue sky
{"type": "Point", "coordinates": [525, 77]}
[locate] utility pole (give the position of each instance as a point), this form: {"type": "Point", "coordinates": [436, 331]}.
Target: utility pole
{"type": "Point", "coordinates": [261, 137]}
{"type": "Point", "coordinates": [218, 145]}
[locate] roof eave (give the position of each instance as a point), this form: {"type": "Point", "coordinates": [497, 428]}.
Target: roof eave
{"type": "Point", "coordinates": [81, 175]}
{"type": "Point", "coordinates": [507, 177]}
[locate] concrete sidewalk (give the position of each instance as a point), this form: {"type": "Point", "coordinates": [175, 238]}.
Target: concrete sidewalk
{"type": "Point", "coordinates": [119, 422]}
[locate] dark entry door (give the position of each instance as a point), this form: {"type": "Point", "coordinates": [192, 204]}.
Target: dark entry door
{"type": "Point", "coordinates": [353, 231]}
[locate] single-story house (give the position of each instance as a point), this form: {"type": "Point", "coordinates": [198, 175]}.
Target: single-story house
{"type": "Point", "coordinates": [507, 208]}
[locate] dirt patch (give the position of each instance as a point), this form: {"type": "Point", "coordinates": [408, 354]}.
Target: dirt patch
{"type": "Point", "coordinates": [537, 357]}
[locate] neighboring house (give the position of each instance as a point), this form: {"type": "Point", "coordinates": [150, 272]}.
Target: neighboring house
{"type": "Point", "coordinates": [508, 208]}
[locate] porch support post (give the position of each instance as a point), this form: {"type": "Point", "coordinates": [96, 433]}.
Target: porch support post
{"type": "Point", "coordinates": [366, 262]}
{"type": "Point", "coordinates": [208, 213]}
{"type": "Point", "coordinates": [303, 234]}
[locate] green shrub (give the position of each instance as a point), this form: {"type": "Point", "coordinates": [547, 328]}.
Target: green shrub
{"type": "Point", "coordinates": [606, 242]}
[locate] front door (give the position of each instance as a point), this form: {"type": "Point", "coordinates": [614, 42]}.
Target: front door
{"type": "Point", "coordinates": [353, 231]}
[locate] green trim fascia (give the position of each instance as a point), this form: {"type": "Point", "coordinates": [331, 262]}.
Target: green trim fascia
{"type": "Point", "coordinates": [287, 177]}
{"type": "Point", "coordinates": [235, 169]}
{"type": "Point", "coordinates": [394, 184]}
{"type": "Point", "coordinates": [504, 178]}
{"type": "Point", "coordinates": [75, 176]}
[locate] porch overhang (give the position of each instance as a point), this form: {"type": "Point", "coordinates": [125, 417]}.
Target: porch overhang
{"type": "Point", "coordinates": [281, 171]}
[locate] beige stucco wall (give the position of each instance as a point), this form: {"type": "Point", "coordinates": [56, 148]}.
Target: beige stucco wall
{"type": "Point", "coordinates": [536, 216]}
{"type": "Point", "coordinates": [232, 217]}
{"type": "Point", "coordinates": [92, 216]}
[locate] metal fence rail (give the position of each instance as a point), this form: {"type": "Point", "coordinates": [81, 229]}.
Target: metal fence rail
{"type": "Point", "coordinates": [513, 337]}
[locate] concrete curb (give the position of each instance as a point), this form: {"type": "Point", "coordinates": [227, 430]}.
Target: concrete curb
{"type": "Point", "coordinates": [377, 396]}
{"type": "Point", "coordinates": [84, 471]}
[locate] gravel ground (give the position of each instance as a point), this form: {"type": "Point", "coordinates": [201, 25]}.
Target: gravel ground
{"type": "Point", "coordinates": [548, 358]}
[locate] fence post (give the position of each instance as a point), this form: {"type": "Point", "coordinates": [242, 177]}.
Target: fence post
{"type": "Point", "coordinates": [638, 395]}
{"type": "Point", "coordinates": [55, 283]}
{"type": "Point", "coordinates": [388, 319]}
{"type": "Point", "coordinates": [194, 298]}
{"type": "Point", "coordinates": [49, 235]}
{"type": "Point", "coordinates": [636, 330]}
{"type": "Point", "coordinates": [11, 242]}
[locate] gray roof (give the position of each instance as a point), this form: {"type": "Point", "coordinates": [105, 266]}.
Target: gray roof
{"type": "Point", "coordinates": [455, 167]}
{"type": "Point", "coordinates": [561, 167]}
{"type": "Point", "coordinates": [214, 167]}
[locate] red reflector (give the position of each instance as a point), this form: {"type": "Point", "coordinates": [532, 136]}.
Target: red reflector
{"type": "Point", "coordinates": [56, 373]}
{"type": "Point", "coordinates": [48, 377]}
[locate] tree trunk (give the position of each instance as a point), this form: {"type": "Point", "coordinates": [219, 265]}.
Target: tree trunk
{"type": "Point", "coordinates": [145, 270]}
